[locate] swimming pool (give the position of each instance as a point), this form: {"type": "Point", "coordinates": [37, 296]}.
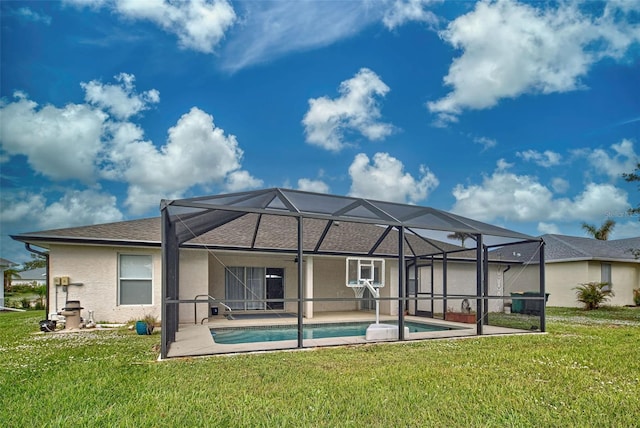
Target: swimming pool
{"type": "Point", "coordinates": [236, 335]}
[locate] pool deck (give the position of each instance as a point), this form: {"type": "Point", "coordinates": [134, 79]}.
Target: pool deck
{"type": "Point", "coordinates": [196, 340]}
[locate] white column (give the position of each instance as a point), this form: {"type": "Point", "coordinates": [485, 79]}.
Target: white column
{"type": "Point", "coordinates": [308, 289]}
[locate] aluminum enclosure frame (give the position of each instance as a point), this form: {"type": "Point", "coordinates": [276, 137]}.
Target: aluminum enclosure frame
{"type": "Point", "coordinates": [184, 220]}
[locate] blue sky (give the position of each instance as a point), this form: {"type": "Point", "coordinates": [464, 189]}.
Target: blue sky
{"type": "Point", "coordinates": [521, 114]}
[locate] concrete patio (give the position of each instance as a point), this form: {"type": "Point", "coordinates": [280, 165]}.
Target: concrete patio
{"type": "Point", "coordinates": [196, 340]}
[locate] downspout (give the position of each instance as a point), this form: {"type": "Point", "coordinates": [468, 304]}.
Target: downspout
{"type": "Point", "coordinates": [46, 257]}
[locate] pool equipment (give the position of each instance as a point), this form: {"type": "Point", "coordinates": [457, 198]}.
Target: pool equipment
{"type": "Point", "coordinates": [71, 314]}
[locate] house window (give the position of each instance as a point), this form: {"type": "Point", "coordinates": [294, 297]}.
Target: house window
{"type": "Point", "coordinates": [605, 273]}
{"type": "Point", "coordinates": [254, 285]}
{"type": "Point", "coordinates": [135, 280]}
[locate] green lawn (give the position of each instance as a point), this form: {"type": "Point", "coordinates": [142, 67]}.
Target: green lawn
{"type": "Point", "coordinates": [585, 372]}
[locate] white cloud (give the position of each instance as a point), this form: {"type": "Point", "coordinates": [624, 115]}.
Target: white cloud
{"type": "Point", "coordinates": [273, 29]}
{"type": "Point", "coordinates": [545, 228]}
{"type": "Point", "coordinates": [85, 143]}
{"type": "Point", "coordinates": [502, 165]}
{"type": "Point", "coordinates": [386, 180]}
{"type": "Point", "coordinates": [487, 143]}
{"type": "Point", "coordinates": [60, 143]}
{"type": "Point", "coordinates": [545, 159]}
{"type": "Point", "coordinates": [241, 180]}
{"type": "Point", "coordinates": [29, 15]}
{"type": "Point", "coordinates": [510, 49]}
{"type": "Point", "coordinates": [120, 100]}
{"type": "Point", "coordinates": [26, 212]}
{"type": "Point", "coordinates": [21, 207]}
{"type": "Point", "coordinates": [356, 110]}
{"type": "Point", "coordinates": [77, 208]}
{"type": "Point", "coordinates": [628, 229]}
{"type": "Point", "coordinates": [593, 201]}
{"type": "Point", "coordinates": [196, 152]}
{"type": "Point", "coordinates": [309, 185]}
{"type": "Point", "coordinates": [403, 11]}
{"type": "Point", "coordinates": [521, 198]}
{"type": "Point", "coordinates": [74, 208]}
{"type": "Point", "coordinates": [624, 160]}
{"type": "Point", "coordinates": [559, 185]}
{"type": "Point", "coordinates": [199, 24]}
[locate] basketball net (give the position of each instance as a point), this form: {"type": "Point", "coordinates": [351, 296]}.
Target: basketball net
{"type": "Point", "coordinates": [358, 291]}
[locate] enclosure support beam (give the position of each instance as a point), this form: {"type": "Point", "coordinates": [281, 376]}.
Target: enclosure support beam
{"type": "Point", "coordinates": [169, 311]}
{"type": "Point", "coordinates": [416, 286]}
{"type": "Point", "coordinates": [479, 287]}
{"type": "Point", "coordinates": [401, 282]}
{"type": "Point", "coordinates": [543, 312]}
{"type": "Point", "coordinates": [485, 288]}
{"type": "Point", "coordinates": [300, 284]}
{"type": "Point", "coordinates": [444, 285]}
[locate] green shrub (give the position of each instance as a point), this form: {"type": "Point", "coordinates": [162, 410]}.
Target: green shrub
{"type": "Point", "coordinates": [636, 296]}
{"type": "Point", "coordinates": [593, 294]}
{"type": "Point", "coordinates": [26, 303]}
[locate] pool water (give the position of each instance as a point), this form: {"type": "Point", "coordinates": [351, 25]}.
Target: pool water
{"type": "Point", "coordinates": [311, 331]}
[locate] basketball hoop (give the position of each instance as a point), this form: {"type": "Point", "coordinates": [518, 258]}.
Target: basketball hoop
{"type": "Point", "coordinates": [364, 273]}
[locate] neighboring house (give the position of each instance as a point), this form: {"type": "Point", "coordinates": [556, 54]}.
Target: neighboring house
{"type": "Point", "coordinates": [571, 261]}
{"type": "Point", "coordinates": [4, 265]}
{"type": "Point", "coordinates": [33, 277]}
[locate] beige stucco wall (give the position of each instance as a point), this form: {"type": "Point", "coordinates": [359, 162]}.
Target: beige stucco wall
{"type": "Point", "coordinates": [201, 272]}
{"type": "Point", "coordinates": [328, 280]}
{"type": "Point", "coordinates": [194, 280]}
{"type": "Point", "coordinates": [561, 279]}
{"type": "Point", "coordinates": [96, 267]}
{"type": "Point", "coordinates": [218, 262]}
{"type": "Point", "coordinates": [461, 280]}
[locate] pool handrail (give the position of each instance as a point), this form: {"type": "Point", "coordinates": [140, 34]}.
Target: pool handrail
{"type": "Point", "coordinates": [209, 298]}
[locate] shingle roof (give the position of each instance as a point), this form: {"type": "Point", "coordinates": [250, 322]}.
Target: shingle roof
{"type": "Point", "coordinates": [569, 247]}
{"type": "Point", "coordinates": [4, 263]}
{"type": "Point", "coordinates": [559, 248]}
{"type": "Point", "coordinates": [37, 274]}
{"type": "Point", "coordinates": [142, 230]}
{"type": "Point", "coordinates": [274, 233]}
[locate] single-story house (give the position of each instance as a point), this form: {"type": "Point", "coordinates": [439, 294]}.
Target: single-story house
{"type": "Point", "coordinates": [4, 265]}
{"type": "Point", "coordinates": [240, 253]}
{"type": "Point", "coordinates": [572, 261]}
{"type": "Point", "coordinates": [35, 277]}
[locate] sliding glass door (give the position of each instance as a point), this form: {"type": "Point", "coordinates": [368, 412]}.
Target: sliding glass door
{"type": "Point", "coordinates": [253, 285]}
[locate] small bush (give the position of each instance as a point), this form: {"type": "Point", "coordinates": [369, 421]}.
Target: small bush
{"type": "Point", "coordinates": [636, 296]}
{"type": "Point", "coordinates": [593, 294]}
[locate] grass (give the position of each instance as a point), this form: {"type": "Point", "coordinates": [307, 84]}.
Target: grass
{"type": "Point", "coordinates": [585, 372]}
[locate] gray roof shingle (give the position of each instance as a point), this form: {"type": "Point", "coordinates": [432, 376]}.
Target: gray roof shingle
{"type": "Point", "coordinates": [274, 233]}
{"type": "Point", "coordinates": [567, 248]}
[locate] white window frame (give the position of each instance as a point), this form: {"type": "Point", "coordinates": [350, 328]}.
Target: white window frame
{"type": "Point", "coordinates": [121, 278]}
{"type": "Point", "coordinates": [606, 273]}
